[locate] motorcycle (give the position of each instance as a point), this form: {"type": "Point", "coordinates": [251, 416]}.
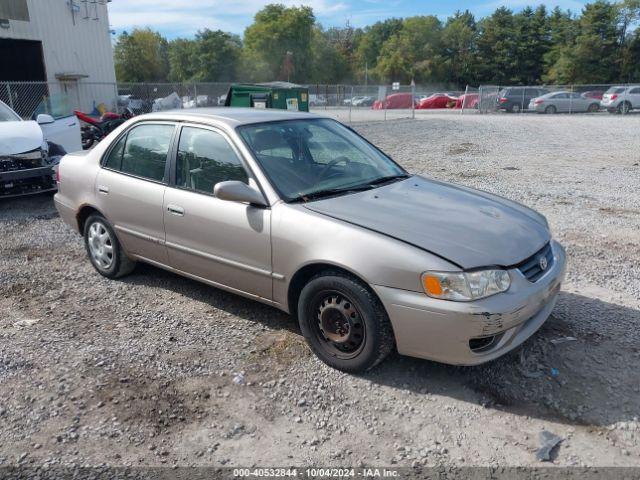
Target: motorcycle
{"type": "Point", "coordinates": [95, 129]}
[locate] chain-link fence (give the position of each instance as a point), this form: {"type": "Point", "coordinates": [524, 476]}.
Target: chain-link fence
{"type": "Point", "coordinates": [552, 99]}
{"type": "Point", "coordinates": [347, 103]}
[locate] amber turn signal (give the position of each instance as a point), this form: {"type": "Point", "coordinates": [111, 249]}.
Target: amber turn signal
{"type": "Point", "coordinates": [432, 285]}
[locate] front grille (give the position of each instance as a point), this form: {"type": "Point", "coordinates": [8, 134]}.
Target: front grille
{"type": "Point", "coordinates": [532, 269]}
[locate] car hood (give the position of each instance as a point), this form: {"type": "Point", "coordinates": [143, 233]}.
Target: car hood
{"type": "Point", "coordinates": [467, 227]}
{"type": "Point", "coordinates": [19, 137]}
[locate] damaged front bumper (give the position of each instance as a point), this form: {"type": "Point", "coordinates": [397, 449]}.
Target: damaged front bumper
{"type": "Point", "coordinates": [470, 333]}
{"type": "Point", "coordinates": [26, 173]}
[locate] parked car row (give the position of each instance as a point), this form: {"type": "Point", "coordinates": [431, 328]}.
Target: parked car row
{"type": "Point", "coordinates": [617, 99]}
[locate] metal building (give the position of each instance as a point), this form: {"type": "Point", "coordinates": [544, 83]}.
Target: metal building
{"type": "Point", "coordinates": [66, 43]}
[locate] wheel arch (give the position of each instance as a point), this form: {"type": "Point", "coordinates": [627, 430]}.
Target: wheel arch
{"type": "Point", "coordinates": [302, 276]}
{"type": "Point", "coordinates": [83, 213]}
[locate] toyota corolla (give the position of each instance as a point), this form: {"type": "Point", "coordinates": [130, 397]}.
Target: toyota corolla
{"type": "Point", "coordinates": [302, 213]}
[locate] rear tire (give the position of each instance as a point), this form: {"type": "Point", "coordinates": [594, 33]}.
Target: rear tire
{"type": "Point", "coordinates": [515, 108]}
{"type": "Point", "coordinates": [624, 108]}
{"type": "Point", "coordinates": [550, 110]}
{"type": "Point", "coordinates": [104, 250]}
{"type": "Point", "coordinates": [594, 107]}
{"type": "Point", "coordinates": [344, 322]}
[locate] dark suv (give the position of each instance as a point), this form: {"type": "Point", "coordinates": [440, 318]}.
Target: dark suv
{"type": "Point", "coordinates": [516, 99]}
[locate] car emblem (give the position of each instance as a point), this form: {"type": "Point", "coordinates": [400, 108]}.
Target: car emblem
{"type": "Point", "coordinates": [543, 263]}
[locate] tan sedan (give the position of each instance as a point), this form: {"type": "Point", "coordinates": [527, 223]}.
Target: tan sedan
{"type": "Point", "coordinates": [300, 212]}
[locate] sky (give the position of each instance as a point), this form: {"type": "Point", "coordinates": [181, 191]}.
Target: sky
{"type": "Point", "coordinates": [183, 18]}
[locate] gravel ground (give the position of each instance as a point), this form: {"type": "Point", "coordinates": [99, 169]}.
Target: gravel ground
{"type": "Point", "coordinates": [155, 369]}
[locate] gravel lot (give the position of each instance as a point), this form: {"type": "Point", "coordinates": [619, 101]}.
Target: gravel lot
{"type": "Point", "coordinates": [155, 369]}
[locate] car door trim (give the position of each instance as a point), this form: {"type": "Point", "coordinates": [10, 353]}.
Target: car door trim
{"type": "Point", "coordinates": [135, 233]}
{"type": "Point", "coordinates": [224, 261]}
{"type": "Point", "coordinates": [208, 282]}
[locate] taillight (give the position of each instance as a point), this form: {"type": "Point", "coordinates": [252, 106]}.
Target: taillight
{"type": "Point", "coordinates": [503, 100]}
{"type": "Point", "coordinates": [613, 97]}
{"type": "Point", "coordinates": [538, 102]}
{"type": "Point", "coordinates": [58, 174]}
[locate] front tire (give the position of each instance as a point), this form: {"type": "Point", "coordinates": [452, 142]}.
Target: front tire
{"type": "Point", "coordinates": [104, 250]}
{"type": "Point", "coordinates": [594, 107]}
{"type": "Point", "coordinates": [344, 322]}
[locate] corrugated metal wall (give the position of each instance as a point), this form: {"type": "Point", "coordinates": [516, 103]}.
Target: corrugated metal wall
{"type": "Point", "coordinates": [75, 40]}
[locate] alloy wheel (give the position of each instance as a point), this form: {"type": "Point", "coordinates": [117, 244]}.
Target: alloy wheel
{"type": "Point", "coordinates": [100, 245]}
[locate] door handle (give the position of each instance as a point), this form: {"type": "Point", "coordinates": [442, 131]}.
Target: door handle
{"type": "Point", "coordinates": [103, 189]}
{"type": "Point", "coordinates": [175, 210]}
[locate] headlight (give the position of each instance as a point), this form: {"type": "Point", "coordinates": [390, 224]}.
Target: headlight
{"type": "Point", "coordinates": [465, 286]}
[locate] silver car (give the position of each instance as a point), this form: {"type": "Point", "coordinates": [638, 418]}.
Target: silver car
{"type": "Point", "coordinates": [564, 102]}
{"type": "Point", "coordinates": [300, 212]}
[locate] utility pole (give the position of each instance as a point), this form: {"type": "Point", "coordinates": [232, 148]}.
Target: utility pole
{"type": "Point", "coordinates": [366, 73]}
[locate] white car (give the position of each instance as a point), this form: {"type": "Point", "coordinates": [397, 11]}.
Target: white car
{"type": "Point", "coordinates": [621, 99]}
{"type": "Point", "coordinates": [30, 150]}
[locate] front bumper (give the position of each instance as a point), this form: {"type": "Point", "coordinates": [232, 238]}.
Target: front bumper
{"type": "Point", "coordinates": [27, 181]}
{"type": "Point", "coordinates": [441, 330]}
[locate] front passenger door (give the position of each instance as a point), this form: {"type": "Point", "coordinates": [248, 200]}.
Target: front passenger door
{"type": "Point", "coordinates": [227, 243]}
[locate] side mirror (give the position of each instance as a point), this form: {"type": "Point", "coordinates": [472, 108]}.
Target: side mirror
{"type": "Point", "coordinates": [235, 191]}
{"type": "Point", "coordinates": [44, 119]}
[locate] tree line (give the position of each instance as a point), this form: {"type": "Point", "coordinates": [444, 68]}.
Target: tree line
{"type": "Point", "coordinates": [601, 44]}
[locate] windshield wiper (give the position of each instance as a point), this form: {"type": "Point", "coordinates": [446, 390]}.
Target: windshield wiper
{"type": "Point", "coordinates": [306, 197]}
{"type": "Point", "coordinates": [387, 179]}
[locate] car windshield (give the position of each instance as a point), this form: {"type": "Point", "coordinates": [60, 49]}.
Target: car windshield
{"type": "Point", "coordinates": [315, 158]}
{"type": "Point", "coordinates": [8, 115]}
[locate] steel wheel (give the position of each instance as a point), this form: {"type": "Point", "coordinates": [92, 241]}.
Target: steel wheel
{"type": "Point", "coordinates": [100, 245]}
{"type": "Point", "coordinates": [339, 326]}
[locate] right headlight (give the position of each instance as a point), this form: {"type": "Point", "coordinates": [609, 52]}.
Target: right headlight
{"type": "Point", "coordinates": [465, 286]}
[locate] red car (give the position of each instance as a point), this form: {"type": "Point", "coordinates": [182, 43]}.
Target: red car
{"type": "Point", "coordinates": [469, 100]}
{"type": "Point", "coordinates": [437, 100]}
{"type": "Point", "coordinates": [395, 100]}
{"type": "Point", "coordinates": [597, 94]}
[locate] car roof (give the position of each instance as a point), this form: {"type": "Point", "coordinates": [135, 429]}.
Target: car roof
{"type": "Point", "coordinates": [230, 116]}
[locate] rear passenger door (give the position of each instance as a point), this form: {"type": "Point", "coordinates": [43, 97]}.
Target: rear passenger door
{"type": "Point", "coordinates": [227, 243]}
{"type": "Point", "coordinates": [130, 188]}
{"type": "Point", "coordinates": [561, 101]}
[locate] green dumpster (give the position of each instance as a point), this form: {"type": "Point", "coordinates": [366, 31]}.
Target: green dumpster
{"type": "Point", "coordinates": [281, 95]}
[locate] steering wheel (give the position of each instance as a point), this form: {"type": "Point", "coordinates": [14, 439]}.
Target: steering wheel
{"type": "Point", "coordinates": [332, 163]}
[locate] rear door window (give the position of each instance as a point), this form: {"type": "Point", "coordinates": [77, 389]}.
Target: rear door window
{"type": "Point", "coordinates": [114, 159]}
{"type": "Point", "coordinates": [145, 152]}
{"type": "Point", "coordinates": [635, 91]}
{"type": "Point", "coordinates": [142, 152]}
